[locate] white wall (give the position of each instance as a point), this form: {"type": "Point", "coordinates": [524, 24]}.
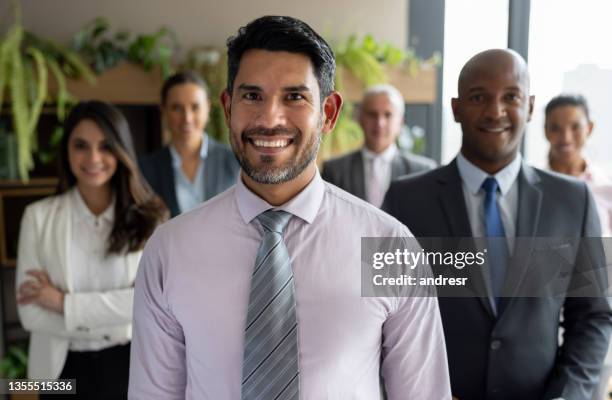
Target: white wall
{"type": "Point", "coordinates": [209, 22]}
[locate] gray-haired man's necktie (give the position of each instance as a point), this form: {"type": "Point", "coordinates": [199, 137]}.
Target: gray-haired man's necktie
{"type": "Point", "coordinates": [270, 367]}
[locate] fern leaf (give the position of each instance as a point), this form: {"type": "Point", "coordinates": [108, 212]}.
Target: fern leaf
{"type": "Point", "coordinates": [41, 93]}
{"type": "Point", "coordinates": [62, 91]}
{"type": "Point", "coordinates": [20, 115]}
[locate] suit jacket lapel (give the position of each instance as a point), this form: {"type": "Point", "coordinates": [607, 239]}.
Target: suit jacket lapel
{"type": "Point", "coordinates": [168, 187]}
{"type": "Point", "coordinates": [455, 209]}
{"type": "Point", "coordinates": [453, 202]}
{"type": "Point", "coordinates": [399, 166]}
{"type": "Point", "coordinates": [211, 171]}
{"type": "Point", "coordinates": [530, 202]}
{"type": "Point", "coordinates": [357, 175]}
{"type": "Point", "coordinates": [57, 237]}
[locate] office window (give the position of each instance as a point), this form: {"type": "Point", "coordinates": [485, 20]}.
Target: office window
{"type": "Point", "coordinates": [568, 53]}
{"type": "Point", "coordinates": [466, 32]}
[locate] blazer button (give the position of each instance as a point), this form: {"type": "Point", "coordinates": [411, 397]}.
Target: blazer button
{"type": "Point", "coordinates": [106, 337]}
{"type": "Point", "coordinates": [495, 344]}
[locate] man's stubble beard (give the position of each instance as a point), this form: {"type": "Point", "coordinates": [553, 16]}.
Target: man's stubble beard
{"type": "Point", "coordinates": [286, 172]}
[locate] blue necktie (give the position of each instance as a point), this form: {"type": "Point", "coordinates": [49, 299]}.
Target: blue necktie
{"type": "Point", "coordinates": [270, 366]}
{"type": "Point", "coordinates": [494, 228]}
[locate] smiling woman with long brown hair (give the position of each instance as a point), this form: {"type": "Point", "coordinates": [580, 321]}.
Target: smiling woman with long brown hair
{"type": "Point", "coordinates": [79, 252]}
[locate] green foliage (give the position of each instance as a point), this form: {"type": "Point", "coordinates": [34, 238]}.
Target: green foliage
{"type": "Point", "coordinates": [14, 365]}
{"type": "Point", "coordinates": [346, 135]}
{"type": "Point", "coordinates": [104, 50]}
{"type": "Point", "coordinates": [362, 59]}
{"type": "Point", "coordinates": [25, 60]}
{"type": "Point", "coordinates": [366, 59]}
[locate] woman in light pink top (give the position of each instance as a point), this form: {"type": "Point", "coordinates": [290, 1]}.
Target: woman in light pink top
{"type": "Point", "coordinates": [567, 128]}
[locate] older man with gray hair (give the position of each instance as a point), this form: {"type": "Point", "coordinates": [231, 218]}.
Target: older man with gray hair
{"type": "Point", "coordinates": [367, 172]}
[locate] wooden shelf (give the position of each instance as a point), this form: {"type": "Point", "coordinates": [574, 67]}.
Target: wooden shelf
{"type": "Point", "coordinates": [32, 183]}
{"type": "Point", "coordinates": [420, 88]}
{"type": "Point", "coordinates": [126, 83]}
{"type": "Point", "coordinates": [129, 84]}
{"type": "Point", "coordinates": [14, 197]}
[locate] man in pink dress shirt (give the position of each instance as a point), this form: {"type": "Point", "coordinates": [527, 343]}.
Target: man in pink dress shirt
{"type": "Point", "coordinates": [194, 295]}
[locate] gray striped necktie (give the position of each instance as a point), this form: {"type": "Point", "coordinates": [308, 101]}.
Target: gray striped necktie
{"type": "Point", "coordinates": [270, 368]}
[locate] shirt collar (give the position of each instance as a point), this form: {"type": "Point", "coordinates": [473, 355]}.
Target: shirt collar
{"type": "Point", "coordinates": [176, 158]}
{"type": "Point", "coordinates": [83, 212]}
{"type": "Point", "coordinates": [473, 176]}
{"type": "Point", "coordinates": [386, 155]}
{"type": "Point", "coordinates": [305, 204]}
{"type": "Point", "coordinates": [594, 175]}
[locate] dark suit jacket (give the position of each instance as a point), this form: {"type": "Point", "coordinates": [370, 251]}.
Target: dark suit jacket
{"type": "Point", "coordinates": [220, 172]}
{"type": "Point", "coordinates": [516, 354]}
{"type": "Point", "coordinates": [347, 172]}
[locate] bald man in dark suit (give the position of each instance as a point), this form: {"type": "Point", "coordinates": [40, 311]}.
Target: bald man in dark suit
{"type": "Point", "coordinates": [507, 348]}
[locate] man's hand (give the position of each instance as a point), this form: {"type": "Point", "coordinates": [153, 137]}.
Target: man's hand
{"type": "Point", "coordinates": [41, 291]}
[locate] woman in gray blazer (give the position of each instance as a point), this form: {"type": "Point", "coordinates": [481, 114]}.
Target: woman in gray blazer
{"type": "Point", "coordinates": [78, 255]}
{"type": "Point", "coordinates": [193, 167]}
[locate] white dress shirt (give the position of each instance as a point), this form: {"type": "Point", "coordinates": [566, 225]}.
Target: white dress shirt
{"type": "Point", "coordinates": [377, 173]}
{"type": "Point", "coordinates": [192, 294]}
{"type": "Point", "coordinates": [93, 270]}
{"type": "Point", "coordinates": [507, 196]}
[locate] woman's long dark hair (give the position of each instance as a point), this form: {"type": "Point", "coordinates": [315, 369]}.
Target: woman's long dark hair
{"type": "Point", "coordinates": [137, 209]}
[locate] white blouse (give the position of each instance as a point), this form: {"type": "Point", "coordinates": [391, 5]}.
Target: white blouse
{"type": "Point", "coordinates": [92, 270]}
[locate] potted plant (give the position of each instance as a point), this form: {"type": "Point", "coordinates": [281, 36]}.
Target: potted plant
{"type": "Point", "coordinates": [104, 50]}
{"type": "Point", "coordinates": [129, 68]}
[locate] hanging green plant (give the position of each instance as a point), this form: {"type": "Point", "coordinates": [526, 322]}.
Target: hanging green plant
{"type": "Point", "coordinates": [25, 62]}
{"type": "Point", "coordinates": [104, 50]}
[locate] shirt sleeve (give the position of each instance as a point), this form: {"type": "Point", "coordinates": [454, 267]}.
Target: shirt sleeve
{"type": "Point", "coordinates": [157, 363]}
{"type": "Point", "coordinates": [414, 362]}
{"type": "Point", "coordinates": [98, 309]}
{"type": "Point", "coordinates": [33, 317]}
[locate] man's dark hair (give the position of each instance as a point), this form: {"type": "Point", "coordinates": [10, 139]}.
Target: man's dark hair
{"type": "Point", "coordinates": [179, 79]}
{"type": "Point", "coordinates": [275, 33]}
{"type": "Point", "coordinates": [562, 100]}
